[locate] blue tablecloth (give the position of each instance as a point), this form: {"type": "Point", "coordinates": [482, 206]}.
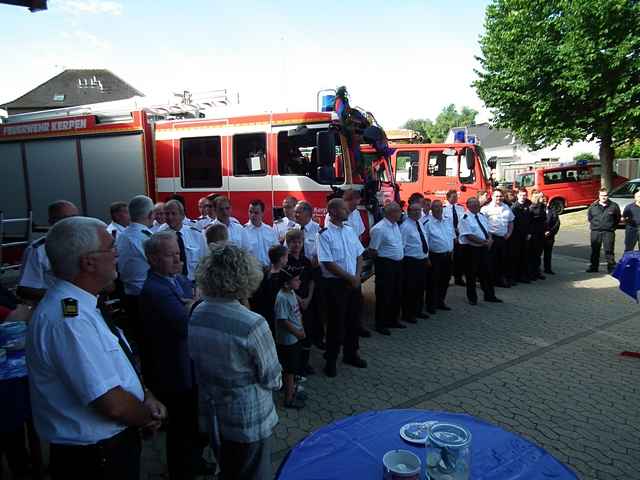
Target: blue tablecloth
{"type": "Point", "coordinates": [353, 449]}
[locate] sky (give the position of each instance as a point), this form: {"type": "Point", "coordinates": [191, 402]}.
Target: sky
{"type": "Point", "coordinates": [399, 60]}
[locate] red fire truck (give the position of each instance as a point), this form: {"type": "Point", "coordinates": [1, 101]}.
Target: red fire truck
{"type": "Point", "coordinates": [94, 156]}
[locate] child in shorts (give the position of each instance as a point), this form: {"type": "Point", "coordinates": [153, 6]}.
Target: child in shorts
{"type": "Point", "coordinates": [289, 332]}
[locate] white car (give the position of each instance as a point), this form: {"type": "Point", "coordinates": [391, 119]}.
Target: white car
{"type": "Point", "coordinates": [623, 195]}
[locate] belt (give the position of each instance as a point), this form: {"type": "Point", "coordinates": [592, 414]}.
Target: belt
{"type": "Point", "coordinates": [126, 435]}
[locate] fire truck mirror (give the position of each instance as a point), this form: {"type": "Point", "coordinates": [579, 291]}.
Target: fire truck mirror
{"type": "Point", "coordinates": [326, 148]}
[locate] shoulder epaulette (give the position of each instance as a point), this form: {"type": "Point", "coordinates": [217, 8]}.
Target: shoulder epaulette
{"type": "Point", "coordinates": [464, 216]}
{"type": "Point", "coordinates": [196, 229]}
{"type": "Point", "coordinates": [323, 229]}
{"type": "Point", "coordinates": [39, 242]}
{"type": "Point", "coordinates": [279, 220]}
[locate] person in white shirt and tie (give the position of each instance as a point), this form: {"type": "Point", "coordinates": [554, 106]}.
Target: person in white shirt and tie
{"type": "Point", "coordinates": [119, 218]}
{"type": "Point", "coordinates": [440, 236]}
{"type": "Point", "coordinates": [288, 222]}
{"type": "Point", "coordinates": [416, 257]}
{"type": "Point", "coordinates": [260, 236]}
{"type": "Point", "coordinates": [500, 217]}
{"type": "Point", "coordinates": [476, 240]}
{"type": "Point", "coordinates": [237, 235]}
{"type": "Point", "coordinates": [454, 212]}
{"type": "Point", "coordinates": [388, 250]}
{"type": "Point", "coordinates": [132, 261]}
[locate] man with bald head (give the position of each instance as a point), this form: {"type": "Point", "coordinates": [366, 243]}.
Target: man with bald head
{"type": "Point", "coordinates": [387, 248]}
{"type": "Point", "coordinates": [340, 257]}
{"type": "Point", "coordinates": [35, 275]}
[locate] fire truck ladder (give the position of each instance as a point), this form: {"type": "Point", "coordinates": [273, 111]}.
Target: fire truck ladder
{"type": "Point", "coordinates": [8, 221]}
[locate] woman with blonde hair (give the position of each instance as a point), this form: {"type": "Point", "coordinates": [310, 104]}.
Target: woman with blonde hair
{"type": "Point", "coordinates": [235, 363]}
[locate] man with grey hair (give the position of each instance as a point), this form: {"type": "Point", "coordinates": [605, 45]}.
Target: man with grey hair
{"type": "Point", "coordinates": [132, 261]}
{"type": "Point", "coordinates": [288, 222]}
{"type": "Point", "coordinates": [87, 397]}
{"type": "Point", "coordinates": [191, 241]}
{"type": "Point", "coordinates": [165, 301]}
{"type": "Point", "coordinates": [35, 275]}
{"type": "Point", "coordinates": [158, 217]}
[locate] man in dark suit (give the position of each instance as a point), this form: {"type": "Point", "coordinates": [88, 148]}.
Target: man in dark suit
{"type": "Point", "coordinates": [165, 301]}
{"type": "Point", "coordinates": [551, 228]}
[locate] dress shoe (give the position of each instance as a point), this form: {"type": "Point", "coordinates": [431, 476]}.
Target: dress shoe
{"type": "Point", "coordinates": [364, 333]}
{"type": "Point", "coordinates": [541, 277]}
{"type": "Point", "coordinates": [549, 272]}
{"type": "Point", "coordinates": [383, 331]}
{"type": "Point", "coordinates": [460, 282]}
{"type": "Point", "coordinates": [321, 345]}
{"type": "Point", "coordinates": [473, 302]}
{"type": "Point", "coordinates": [444, 307]}
{"type": "Point", "coordinates": [330, 369]}
{"type": "Point", "coordinates": [409, 320]}
{"type": "Point", "coordinates": [432, 311]}
{"type": "Point", "coordinates": [422, 315]}
{"type": "Point", "coordinates": [592, 270]}
{"type": "Point", "coordinates": [524, 280]}
{"type": "Point", "coordinates": [396, 325]}
{"type": "Point", "coordinates": [355, 362]}
{"type": "Point", "coordinates": [493, 300]}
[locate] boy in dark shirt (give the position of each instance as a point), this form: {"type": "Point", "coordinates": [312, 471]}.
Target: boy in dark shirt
{"type": "Point", "coordinates": [264, 299]}
{"type": "Point", "coordinates": [295, 243]}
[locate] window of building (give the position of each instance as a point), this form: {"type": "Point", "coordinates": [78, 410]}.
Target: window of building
{"type": "Point", "coordinates": [201, 162]}
{"type": "Point", "coordinates": [250, 154]}
{"type": "Point", "coordinates": [407, 167]}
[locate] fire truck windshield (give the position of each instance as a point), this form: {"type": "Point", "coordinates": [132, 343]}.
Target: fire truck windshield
{"type": "Point", "coordinates": [298, 154]}
{"type": "Point", "coordinates": [486, 171]}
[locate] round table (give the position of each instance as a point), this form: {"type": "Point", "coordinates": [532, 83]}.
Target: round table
{"type": "Point", "coordinates": [353, 449]}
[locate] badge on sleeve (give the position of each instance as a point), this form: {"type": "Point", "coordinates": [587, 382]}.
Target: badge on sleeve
{"type": "Point", "coordinates": [69, 307]}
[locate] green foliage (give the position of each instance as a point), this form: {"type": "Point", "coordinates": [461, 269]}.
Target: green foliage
{"type": "Point", "coordinates": [563, 69]}
{"type": "Point", "coordinates": [589, 157]}
{"type": "Point", "coordinates": [629, 150]}
{"type": "Point", "coordinates": [449, 117]}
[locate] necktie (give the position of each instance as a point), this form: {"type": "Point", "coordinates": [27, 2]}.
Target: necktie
{"type": "Point", "coordinates": [425, 247]}
{"type": "Point", "coordinates": [106, 316]}
{"type": "Point", "coordinates": [484, 230]}
{"type": "Point", "coordinates": [455, 217]}
{"type": "Point", "coordinates": [178, 287]}
{"type": "Point", "coordinates": [183, 253]}
{"type": "Point", "coordinates": [114, 233]}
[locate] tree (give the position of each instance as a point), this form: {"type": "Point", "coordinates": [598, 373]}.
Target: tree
{"type": "Point", "coordinates": [585, 157]}
{"type": "Point", "coordinates": [556, 70]}
{"type": "Point", "coordinates": [449, 117]}
{"type": "Point", "coordinates": [629, 150]}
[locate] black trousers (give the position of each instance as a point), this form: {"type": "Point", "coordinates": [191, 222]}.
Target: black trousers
{"type": "Point", "coordinates": [413, 273]}
{"type": "Point", "coordinates": [548, 250]}
{"type": "Point", "coordinates": [458, 261]}
{"type": "Point", "coordinates": [498, 256]}
{"type": "Point", "coordinates": [245, 461]}
{"type": "Point", "coordinates": [428, 287]}
{"type": "Point", "coordinates": [536, 247]}
{"type": "Point", "coordinates": [344, 305]}
{"type": "Point", "coordinates": [319, 314]}
{"type": "Point", "coordinates": [115, 458]}
{"type": "Point", "coordinates": [630, 238]}
{"type": "Point", "coordinates": [599, 239]}
{"type": "Point", "coordinates": [183, 450]}
{"type": "Point", "coordinates": [388, 291]}
{"type": "Point", "coordinates": [478, 266]}
{"type": "Point", "coordinates": [518, 247]}
{"type": "Point", "coordinates": [440, 276]}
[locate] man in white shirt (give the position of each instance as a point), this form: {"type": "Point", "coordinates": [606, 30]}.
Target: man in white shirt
{"type": "Point", "coordinates": [132, 261]}
{"type": "Point", "coordinates": [158, 217]}
{"type": "Point", "coordinates": [440, 237]}
{"type": "Point", "coordinates": [260, 236]}
{"type": "Point", "coordinates": [416, 257]}
{"type": "Point", "coordinates": [87, 398]}
{"type": "Point", "coordinates": [191, 241]}
{"type": "Point", "coordinates": [340, 256]}
{"type": "Point", "coordinates": [500, 217]}
{"type": "Point", "coordinates": [476, 240]}
{"type": "Point", "coordinates": [454, 211]}
{"type": "Point", "coordinates": [288, 222]}
{"type": "Point", "coordinates": [119, 218]}
{"type": "Point", "coordinates": [237, 235]}
{"type": "Point", "coordinates": [204, 207]}
{"type": "Point", "coordinates": [35, 273]}
{"type": "Point", "coordinates": [387, 248]}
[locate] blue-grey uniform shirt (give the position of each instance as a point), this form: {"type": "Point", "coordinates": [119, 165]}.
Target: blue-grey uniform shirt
{"type": "Point", "coordinates": [72, 361]}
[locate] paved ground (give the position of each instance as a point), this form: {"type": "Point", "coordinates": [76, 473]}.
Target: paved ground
{"type": "Point", "coordinates": [544, 365]}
